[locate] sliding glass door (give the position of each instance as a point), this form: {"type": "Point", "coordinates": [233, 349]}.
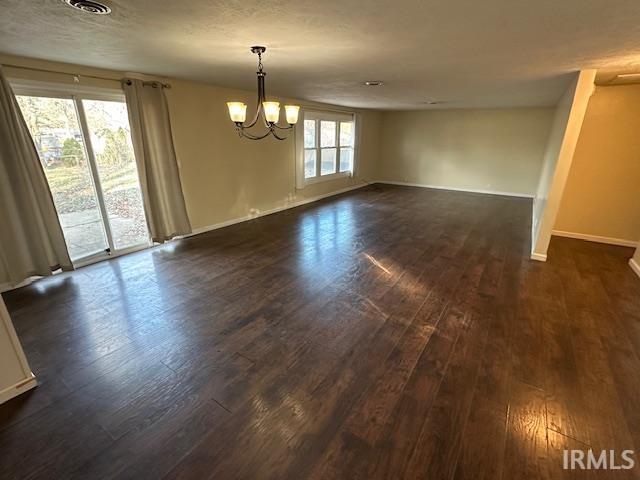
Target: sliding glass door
{"type": "Point", "coordinates": [85, 148]}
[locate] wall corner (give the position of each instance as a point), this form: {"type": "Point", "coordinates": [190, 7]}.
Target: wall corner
{"type": "Point", "coordinates": [561, 146]}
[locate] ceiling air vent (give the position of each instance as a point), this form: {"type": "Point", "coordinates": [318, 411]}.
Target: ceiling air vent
{"type": "Point", "coordinates": [89, 6]}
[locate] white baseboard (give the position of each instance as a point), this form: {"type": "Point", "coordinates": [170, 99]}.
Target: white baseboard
{"type": "Point", "coordinates": [455, 189]}
{"type": "Point", "coordinates": [634, 266]}
{"type": "Point", "coordinates": [540, 257]}
{"type": "Point", "coordinates": [20, 387]}
{"type": "Point", "coordinates": [299, 203]}
{"type": "Point", "coordinates": [596, 238]}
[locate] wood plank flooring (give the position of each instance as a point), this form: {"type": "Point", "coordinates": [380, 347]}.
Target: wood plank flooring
{"type": "Point", "coordinates": [391, 332]}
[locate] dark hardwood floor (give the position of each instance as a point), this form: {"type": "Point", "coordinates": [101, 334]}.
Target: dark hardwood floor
{"type": "Point", "coordinates": [391, 332]}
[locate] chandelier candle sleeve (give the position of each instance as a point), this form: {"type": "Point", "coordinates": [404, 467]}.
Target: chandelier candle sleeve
{"type": "Point", "coordinates": [271, 111]}
{"type": "Point", "coordinates": [237, 111]}
{"type": "Point", "coordinates": [292, 113]}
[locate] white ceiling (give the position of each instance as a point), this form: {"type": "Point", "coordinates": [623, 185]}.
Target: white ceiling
{"type": "Point", "coordinates": [466, 53]}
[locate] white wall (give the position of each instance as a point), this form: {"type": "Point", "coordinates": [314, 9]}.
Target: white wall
{"type": "Point", "coordinates": [567, 122]}
{"type": "Point", "coordinates": [499, 150]}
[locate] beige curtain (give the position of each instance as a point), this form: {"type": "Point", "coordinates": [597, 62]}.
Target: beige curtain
{"type": "Point", "coordinates": [156, 159]}
{"type": "Point", "coordinates": [31, 238]}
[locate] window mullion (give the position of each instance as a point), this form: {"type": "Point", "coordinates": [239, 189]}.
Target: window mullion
{"type": "Point", "coordinates": [318, 149]}
{"type": "Point", "coordinates": [337, 147]}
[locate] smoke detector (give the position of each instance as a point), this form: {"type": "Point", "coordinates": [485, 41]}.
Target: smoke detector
{"type": "Point", "coordinates": [89, 6]}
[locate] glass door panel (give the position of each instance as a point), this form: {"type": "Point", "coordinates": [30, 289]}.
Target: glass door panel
{"type": "Point", "coordinates": [54, 126]}
{"type": "Point", "coordinates": [108, 126]}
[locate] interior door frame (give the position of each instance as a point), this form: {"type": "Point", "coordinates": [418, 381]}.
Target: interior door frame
{"type": "Point", "coordinates": [77, 94]}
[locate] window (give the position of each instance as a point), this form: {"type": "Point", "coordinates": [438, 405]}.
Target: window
{"type": "Point", "coordinates": [328, 146]}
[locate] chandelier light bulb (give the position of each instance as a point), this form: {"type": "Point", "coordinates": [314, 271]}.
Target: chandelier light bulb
{"type": "Point", "coordinates": [237, 111]}
{"type": "Point", "coordinates": [291, 112]}
{"type": "Point", "coordinates": [271, 111]}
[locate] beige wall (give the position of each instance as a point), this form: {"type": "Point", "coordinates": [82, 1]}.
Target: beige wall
{"type": "Point", "coordinates": [224, 177]}
{"type": "Point", "coordinates": [567, 122]}
{"type": "Point", "coordinates": [602, 193]}
{"type": "Point", "coordinates": [497, 150]}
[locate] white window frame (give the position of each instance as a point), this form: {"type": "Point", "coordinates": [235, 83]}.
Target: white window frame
{"type": "Point", "coordinates": [39, 88]}
{"type": "Point", "coordinates": [318, 116]}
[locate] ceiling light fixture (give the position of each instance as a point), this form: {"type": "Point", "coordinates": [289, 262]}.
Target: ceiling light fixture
{"type": "Point", "coordinates": [89, 6]}
{"type": "Point", "coordinates": [374, 83]}
{"type": "Point", "coordinates": [270, 111]}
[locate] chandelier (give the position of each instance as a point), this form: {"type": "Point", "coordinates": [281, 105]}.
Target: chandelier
{"type": "Point", "coordinates": [269, 112]}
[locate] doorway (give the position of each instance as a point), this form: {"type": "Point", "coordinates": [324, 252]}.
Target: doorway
{"type": "Point", "coordinates": [84, 144]}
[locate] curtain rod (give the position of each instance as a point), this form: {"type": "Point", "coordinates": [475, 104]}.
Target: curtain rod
{"type": "Point", "coordinates": [75, 75]}
{"type": "Point", "coordinates": [152, 83]}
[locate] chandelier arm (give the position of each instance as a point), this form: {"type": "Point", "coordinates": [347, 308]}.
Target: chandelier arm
{"type": "Point", "coordinates": [277, 136]}
{"type": "Point", "coordinates": [261, 96]}
{"type": "Point", "coordinates": [288, 127]}
{"type": "Point", "coordinates": [255, 119]}
{"type": "Point", "coordinates": [250, 136]}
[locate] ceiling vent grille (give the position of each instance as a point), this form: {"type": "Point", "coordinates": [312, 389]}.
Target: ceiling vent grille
{"type": "Point", "coordinates": [89, 6]}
